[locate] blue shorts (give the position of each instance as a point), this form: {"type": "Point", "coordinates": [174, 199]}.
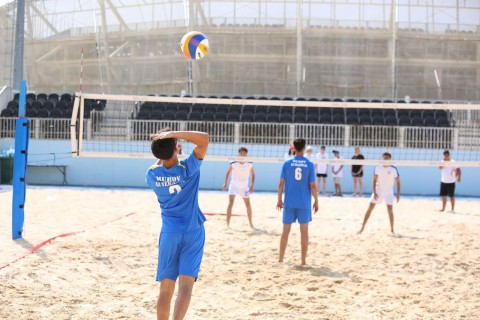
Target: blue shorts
{"type": "Point", "coordinates": [300, 215]}
{"type": "Point", "coordinates": [180, 254]}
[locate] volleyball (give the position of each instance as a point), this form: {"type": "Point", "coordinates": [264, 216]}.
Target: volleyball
{"type": "Point", "coordinates": [194, 45]}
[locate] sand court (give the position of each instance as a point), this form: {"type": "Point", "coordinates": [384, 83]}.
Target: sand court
{"type": "Point", "coordinates": [107, 269]}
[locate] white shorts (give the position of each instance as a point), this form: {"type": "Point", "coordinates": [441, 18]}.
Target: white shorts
{"type": "Point", "coordinates": [241, 190]}
{"type": "Point", "coordinates": [389, 198]}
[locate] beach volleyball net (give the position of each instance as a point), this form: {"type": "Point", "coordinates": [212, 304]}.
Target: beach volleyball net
{"type": "Point", "coordinates": [416, 134]}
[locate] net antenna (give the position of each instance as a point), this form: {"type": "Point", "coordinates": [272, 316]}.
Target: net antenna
{"type": "Point", "coordinates": [119, 126]}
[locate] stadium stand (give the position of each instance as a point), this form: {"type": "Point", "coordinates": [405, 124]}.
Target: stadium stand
{"type": "Point", "coordinates": [56, 105]}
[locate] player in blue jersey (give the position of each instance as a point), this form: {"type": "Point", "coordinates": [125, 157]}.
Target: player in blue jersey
{"type": "Point", "coordinates": [384, 179]}
{"type": "Point", "coordinates": [298, 181]}
{"type": "Point", "coordinates": [182, 237]}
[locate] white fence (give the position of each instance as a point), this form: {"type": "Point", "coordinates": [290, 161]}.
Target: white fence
{"type": "Point", "coordinates": [260, 133]}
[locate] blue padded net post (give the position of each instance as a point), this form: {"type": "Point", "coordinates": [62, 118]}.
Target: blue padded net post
{"type": "Point", "coordinates": [22, 133]}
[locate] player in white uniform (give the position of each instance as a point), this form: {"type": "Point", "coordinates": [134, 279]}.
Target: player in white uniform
{"type": "Point", "coordinates": [322, 170]}
{"type": "Point", "coordinates": [337, 174]}
{"type": "Point", "coordinates": [240, 172]}
{"type": "Point", "coordinates": [450, 174]}
{"type": "Point", "coordinates": [383, 183]}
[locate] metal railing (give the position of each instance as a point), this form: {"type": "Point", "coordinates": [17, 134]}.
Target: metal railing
{"type": "Point", "coordinates": [263, 133]}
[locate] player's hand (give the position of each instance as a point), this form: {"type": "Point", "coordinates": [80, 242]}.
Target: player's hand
{"type": "Point", "coordinates": [459, 179]}
{"type": "Point", "coordinates": [398, 197]}
{"type": "Point", "coordinates": [375, 196]}
{"type": "Point", "coordinates": [315, 207]}
{"type": "Point", "coordinates": [162, 135]}
{"type": "Point", "coordinates": [251, 189]}
{"type": "Point", "coordinates": [279, 205]}
{"type": "Point", "coordinates": [224, 187]}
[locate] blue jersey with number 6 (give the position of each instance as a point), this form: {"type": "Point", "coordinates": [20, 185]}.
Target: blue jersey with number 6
{"type": "Point", "coordinates": [298, 173]}
{"type": "Point", "coordinates": [177, 192]}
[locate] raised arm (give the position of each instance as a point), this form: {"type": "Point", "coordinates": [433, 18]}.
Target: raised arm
{"type": "Point", "coordinates": [198, 138]}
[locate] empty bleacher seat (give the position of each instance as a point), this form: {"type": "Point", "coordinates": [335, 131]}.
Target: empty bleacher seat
{"type": "Point", "coordinates": [300, 117]}
{"type": "Point", "coordinates": [443, 122]}
{"type": "Point", "coordinates": [233, 116]}
{"type": "Point", "coordinates": [42, 97]}
{"type": "Point", "coordinates": [417, 122]}
{"type": "Point", "coordinates": [181, 114]}
{"type": "Point", "coordinates": [6, 113]}
{"type": "Point", "coordinates": [352, 119]}
{"type": "Point", "coordinates": [248, 117]}
{"type": "Point", "coordinates": [221, 116]}
{"type": "Point", "coordinates": [286, 118]}
{"type": "Point", "coordinates": [208, 116]}
{"type": "Point", "coordinates": [273, 117]}
{"type": "Point", "coordinates": [31, 113]}
{"type": "Point", "coordinates": [53, 97]}
{"type": "Point", "coordinates": [378, 121]}
{"type": "Point", "coordinates": [430, 121]}
{"type": "Point", "coordinates": [57, 113]}
{"type": "Point", "coordinates": [260, 117]}
{"type": "Point", "coordinates": [365, 120]}
{"type": "Point", "coordinates": [195, 115]}
{"type": "Point", "coordinates": [36, 104]}
{"type": "Point", "coordinates": [169, 115]}
{"type": "Point", "coordinates": [66, 97]}
{"type": "Point", "coordinates": [50, 105]}
{"type": "Point", "coordinates": [31, 97]}
{"type": "Point", "coordinates": [338, 118]}
{"type": "Point", "coordinates": [391, 120]}
{"type": "Point", "coordinates": [43, 113]}
{"type": "Point", "coordinates": [157, 114]}
{"type": "Point", "coordinates": [143, 114]}
{"type": "Point", "coordinates": [404, 121]}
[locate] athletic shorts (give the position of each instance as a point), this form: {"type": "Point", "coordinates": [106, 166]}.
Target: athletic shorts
{"type": "Point", "coordinates": [180, 254]}
{"type": "Point", "coordinates": [337, 180]}
{"type": "Point", "coordinates": [388, 198]}
{"type": "Point", "coordinates": [447, 189]}
{"type": "Point", "coordinates": [300, 215]}
{"type": "Point", "coordinates": [357, 175]}
{"type": "Point", "coordinates": [322, 175]}
{"type": "Point", "coordinates": [234, 189]}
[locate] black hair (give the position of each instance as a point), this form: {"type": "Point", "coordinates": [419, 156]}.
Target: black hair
{"type": "Point", "coordinates": [322, 147]}
{"type": "Point", "coordinates": [164, 149]}
{"type": "Point", "coordinates": [299, 144]}
{"type": "Point", "coordinates": [387, 154]}
{"type": "Point", "coordinates": [242, 149]}
{"type": "Point", "coordinates": [446, 152]}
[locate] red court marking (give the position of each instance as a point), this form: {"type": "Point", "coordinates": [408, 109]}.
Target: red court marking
{"type": "Point", "coordinates": [38, 246]}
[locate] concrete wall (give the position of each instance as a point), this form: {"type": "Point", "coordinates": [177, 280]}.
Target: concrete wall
{"type": "Point", "coordinates": [130, 172]}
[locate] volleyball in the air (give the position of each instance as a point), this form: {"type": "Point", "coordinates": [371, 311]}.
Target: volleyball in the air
{"type": "Point", "coordinates": [194, 45]}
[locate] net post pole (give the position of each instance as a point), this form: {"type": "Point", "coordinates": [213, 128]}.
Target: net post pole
{"type": "Point", "coordinates": [20, 166]}
{"type": "Point", "coordinates": [291, 133]}
{"type": "Point", "coordinates": [236, 138]}
{"type": "Point", "coordinates": [346, 137]}
{"type": "Point", "coordinates": [401, 137]}
{"type": "Point", "coordinates": [455, 139]}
